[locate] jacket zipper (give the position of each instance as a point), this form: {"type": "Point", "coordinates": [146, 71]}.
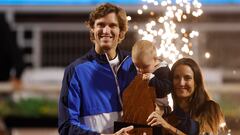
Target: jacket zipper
{"type": "Point", "coordinates": [116, 80]}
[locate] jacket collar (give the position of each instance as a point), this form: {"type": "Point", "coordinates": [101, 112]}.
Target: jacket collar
{"type": "Point", "coordinates": [101, 58]}
{"type": "Point", "coordinates": [180, 113]}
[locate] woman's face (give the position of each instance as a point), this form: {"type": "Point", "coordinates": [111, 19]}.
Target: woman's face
{"type": "Point", "coordinates": [183, 82]}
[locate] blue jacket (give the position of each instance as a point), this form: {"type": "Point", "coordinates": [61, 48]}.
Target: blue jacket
{"type": "Point", "coordinates": [184, 122]}
{"type": "Point", "coordinates": [90, 88]}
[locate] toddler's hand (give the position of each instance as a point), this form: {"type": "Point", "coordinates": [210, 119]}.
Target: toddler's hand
{"type": "Point", "coordinates": [147, 76]}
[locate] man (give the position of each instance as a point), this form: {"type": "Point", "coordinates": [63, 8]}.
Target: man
{"type": "Point", "coordinates": [11, 60]}
{"type": "Point", "coordinates": [90, 99]}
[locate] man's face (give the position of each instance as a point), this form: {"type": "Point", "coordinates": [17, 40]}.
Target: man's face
{"type": "Point", "coordinates": [106, 33]}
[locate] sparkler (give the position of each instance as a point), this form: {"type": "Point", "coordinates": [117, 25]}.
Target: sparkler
{"type": "Point", "coordinates": [173, 42]}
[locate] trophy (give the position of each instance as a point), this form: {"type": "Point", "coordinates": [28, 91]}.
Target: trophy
{"type": "Point", "coordinates": [138, 103]}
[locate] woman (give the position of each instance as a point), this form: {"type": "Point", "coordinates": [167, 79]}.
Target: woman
{"type": "Point", "coordinates": [194, 111]}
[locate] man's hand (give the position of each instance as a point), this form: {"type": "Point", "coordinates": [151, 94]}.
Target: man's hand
{"type": "Point", "coordinates": [124, 131]}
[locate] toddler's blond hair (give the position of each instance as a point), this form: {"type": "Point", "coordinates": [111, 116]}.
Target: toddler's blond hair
{"type": "Point", "coordinates": [143, 49]}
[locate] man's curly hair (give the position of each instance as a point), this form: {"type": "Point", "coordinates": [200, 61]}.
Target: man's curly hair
{"type": "Point", "coordinates": [104, 10]}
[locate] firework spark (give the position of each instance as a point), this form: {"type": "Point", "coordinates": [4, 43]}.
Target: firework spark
{"type": "Point", "coordinates": [173, 42]}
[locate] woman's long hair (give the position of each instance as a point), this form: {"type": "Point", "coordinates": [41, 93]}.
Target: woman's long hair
{"type": "Point", "coordinates": [199, 106]}
{"type": "Point", "coordinates": [210, 117]}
